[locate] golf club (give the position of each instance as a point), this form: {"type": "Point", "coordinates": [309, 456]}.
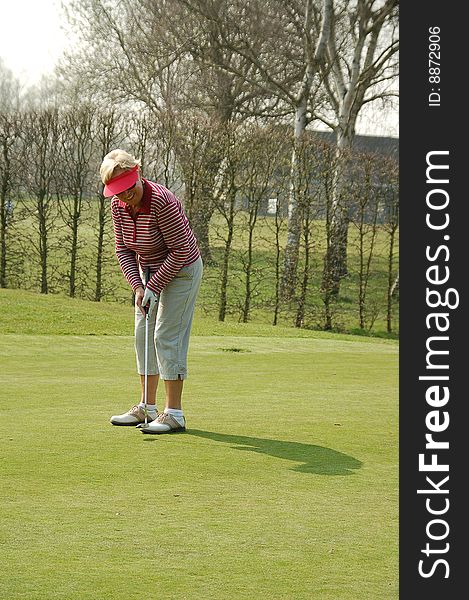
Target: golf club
{"type": "Point", "coordinates": [145, 385]}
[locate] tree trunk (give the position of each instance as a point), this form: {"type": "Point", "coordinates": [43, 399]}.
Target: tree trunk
{"type": "Point", "coordinates": [226, 259]}
{"type": "Point", "coordinates": [392, 286]}
{"type": "Point", "coordinates": [4, 210]}
{"type": "Point", "coordinates": [98, 294]}
{"type": "Point", "coordinates": [328, 300]}
{"type": "Point", "coordinates": [395, 285]}
{"type": "Point", "coordinates": [74, 247]}
{"type": "Point", "coordinates": [224, 276]}
{"type": "Point", "coordinates": [335, 264]}
{"type": "Point", "coordinates": [199, 218]}
{"type": "Point", "coordinates": [288, 284]}
{"type": "Point", "coordinates": [361, 276]}
{"type": "Point", "coordinates": [3, 231]}
{"type": "Point", "coordinates": [43, 244]}
{"type": "Point", "coordinates": [368, 201]}
{"type": "Point", "coordinates": [107, 134]}
{"type": "Point", "coordinates": [3, 242]}
{"type": "Point", "coordinates": [300, 312]}
{"type": "Point", "coordinates": [277, 265]}
{"type": "Point", "coordinates": [247, 295]}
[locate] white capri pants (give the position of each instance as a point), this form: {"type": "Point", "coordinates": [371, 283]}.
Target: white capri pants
{"type": "Point", "coordinates": [169, 326]}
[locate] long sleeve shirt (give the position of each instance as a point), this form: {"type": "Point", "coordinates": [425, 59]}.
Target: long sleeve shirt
{"type": "Point", "coordinates": [157, 236]}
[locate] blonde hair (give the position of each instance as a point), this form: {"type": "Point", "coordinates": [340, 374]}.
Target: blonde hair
{"type": "Point", "coordinates": [114, 159]}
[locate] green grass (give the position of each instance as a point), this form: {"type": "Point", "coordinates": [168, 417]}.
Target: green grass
{"type": "Point", "coordinates": [285, 485]}
{"type": "Point", "coordinates": [24, 272]}
{"type": "Point", "coordinates": [29, 313]}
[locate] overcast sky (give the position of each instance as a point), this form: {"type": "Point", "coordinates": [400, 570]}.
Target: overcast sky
{"type": "Point", "coordinates": [32, 40]}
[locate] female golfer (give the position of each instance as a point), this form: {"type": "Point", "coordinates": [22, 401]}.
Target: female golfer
{"type": "Point", "coordinates": [152, 231]}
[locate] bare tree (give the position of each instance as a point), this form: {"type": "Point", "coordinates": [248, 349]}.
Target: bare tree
{"type": "Point", "coordinates": [9, 168]}
{"type": "Point", "coordinates": [277, 225]}
{"type": "Point", "coordinates": [199, 145]}
{"type": "Point", "coordinates": [312, 162]}
{"type": "Point", "coordinates": [124, 58]}
{"type": "Point", "coordinates": [152, 138]}
{"type": "Point", "coordinates": [74, 170]}
{"type": "Point", "coordinates": [361, 66]}
{"type": "Point", "coordinates": [228, 206]}
{"type": "Point", "coordinates": [41, 139]}
{"type": "Point", "coordinates": [391, 226]}
{"type": "Point", "coordinates": [281, 60]}
{"type": "Point", "coordinates": [9, 136]}
{"type": "Point", "coordinates": [261, 150]}
{"type": "Point", "coordinates": [157, 63]}
{"type": "Point", "coordinates": [365, 190]}
{"type": "Point", "coordinates": [326, 182]}
{"type": "Point", "coordinates": [107, 130]}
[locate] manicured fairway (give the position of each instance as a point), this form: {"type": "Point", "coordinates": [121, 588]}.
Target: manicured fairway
{"type": "Point", "coordinates": [284, 487]}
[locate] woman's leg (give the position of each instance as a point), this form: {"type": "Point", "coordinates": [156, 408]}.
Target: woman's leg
{"type": "Point", "coordinates": [174, 393]}
{"type": "Point", "coordinates": [153, 375]}
{"type": "Point", "coordinates": [152, 387]}
{"type": "Point", "coordinates": [135, 415]}
{"type": "Point", "coordinates": [172, 332]}
{"type": "Point", "coordinates": [173, 327]}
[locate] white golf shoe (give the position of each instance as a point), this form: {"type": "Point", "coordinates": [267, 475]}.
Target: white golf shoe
{"type": "Point", "coordinates": [165, 423]}
{"type": "Point", "coordinates": [134, 416]}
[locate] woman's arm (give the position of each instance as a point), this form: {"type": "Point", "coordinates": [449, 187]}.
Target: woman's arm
{"type": "Point", "coordinates": [126, 257]}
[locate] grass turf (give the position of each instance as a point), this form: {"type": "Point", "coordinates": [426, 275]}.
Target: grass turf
{"type": "Point", "coordinates": [24, 270]}
{"type": "Point", "coordinates": [285, 485]}
{"type": "Point", "coordinates": [29, 313]}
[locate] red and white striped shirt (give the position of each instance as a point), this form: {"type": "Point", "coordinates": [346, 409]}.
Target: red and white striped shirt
{"type": "Point", "coordinates": [159, 237]}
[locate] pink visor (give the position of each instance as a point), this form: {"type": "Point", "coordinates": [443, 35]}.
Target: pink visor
{"type": "Point", "coordinates": [121, 182]}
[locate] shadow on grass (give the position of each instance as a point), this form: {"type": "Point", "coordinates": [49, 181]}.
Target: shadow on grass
{"type": "Point", "coordinates": [313, 459]}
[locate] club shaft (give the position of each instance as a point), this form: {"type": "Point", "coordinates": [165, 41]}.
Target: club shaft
{"type": "Point", "coordinates": [145, 384]}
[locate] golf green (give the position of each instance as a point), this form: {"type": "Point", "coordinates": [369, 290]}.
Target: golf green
{"type": "Point", "coordinates": [285, 485]}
